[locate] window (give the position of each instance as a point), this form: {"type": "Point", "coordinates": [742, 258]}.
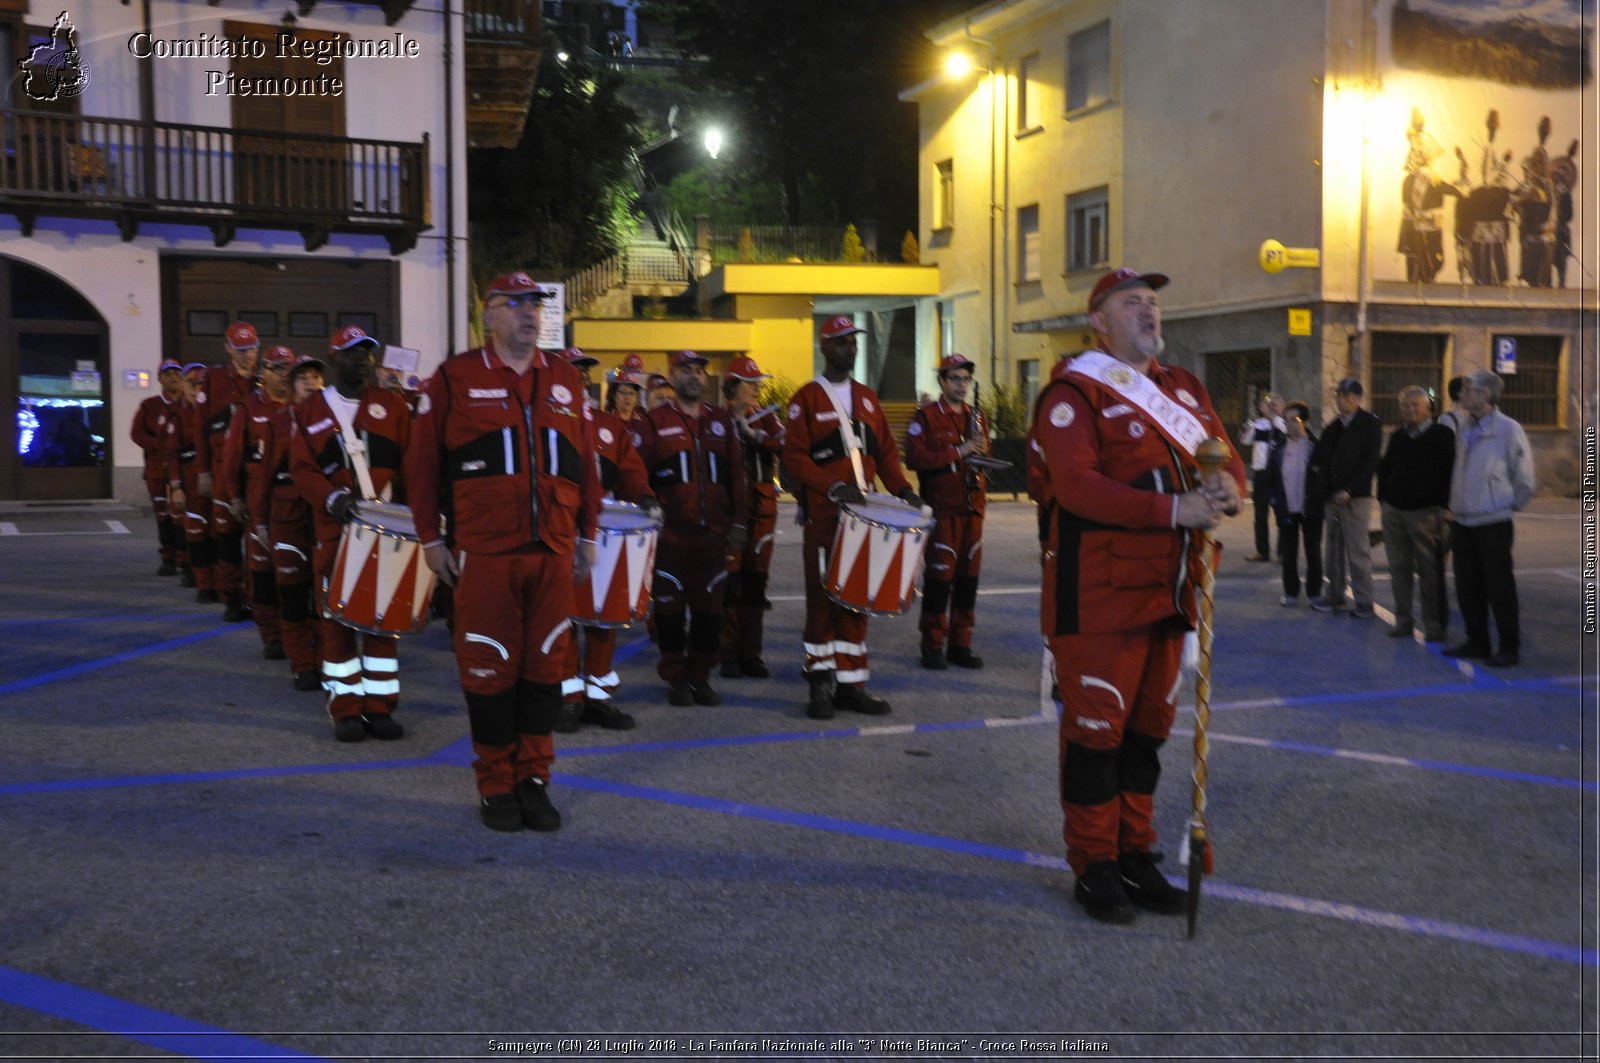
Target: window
{"type": "Point", "coordinates": [1028, 244]}
{"type": "Point", "coordinates": [1028, 381]}
{"type": "Point", "coordinates": [264, 321]}
{"type": "Point", "coordinates": [208, 322]}
{"type": "Point", "coordinates": [1089, 67]}
{"type": "Point", "coordinates": [1400, 359]}
{"type": "Point", "coordinates": [1088, 230]}
{"type": "Point", "coordinates": [1532, 395]}
{"type": "Point", "coordinates": [308, 323]}
{"type": "Point", "coordinates": [947, 327]}
{"type": "Point", "coordinates": [944, 196]}
{"type": "Point", "coordinates": [1028, 94]}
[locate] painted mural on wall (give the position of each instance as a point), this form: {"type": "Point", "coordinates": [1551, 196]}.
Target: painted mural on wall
{"type": "Point", "coordinates": [1486, 165]}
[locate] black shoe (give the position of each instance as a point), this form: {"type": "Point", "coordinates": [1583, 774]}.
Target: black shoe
{"type": "Point", "coordinates": [856, 699]}
{"type": "Point", "coordinates": [273, 651]}
{"type": "Point", "coordinates": [1100, 890]}
{"type": "Point", "coordinates": [1504, 659]}
{"type": "Point", "coordinates": [1327, 605]}
{"type": "Point", "coordinates": [537, 811]}
{"type": "Point", "coordinates": [349, 729]}
{"type": "Point", "coordinates": [308, 680]}
{"type": "Point", "coordinates": [167, 569]}
{"type": "Point", "coordinates": [1147, 887]}
{"type": "Point", "coordinates": [1399, 632]}
{"type": "Point", "coordinates": [568, 718]}
{"type": "Point", "coordinates": [187, 579]}
{"type": "Point", "coordinates": [934, 660]}
{"type": "Point", "coordinates": [207, 597]}
{"type": "Point", "coordinates": [754, 667]}
{"type": "Point", "coordinates": [704, 695]}
{"type": "Point", "coordinates": [732, 670]}
{"type": "Point", "coordinates": [962, 656]}
{"type": "Point", "coordinates": [607, 715]}
{"type": "Point", "coordinates": [501, 812]}
{"type": "Point", "coordinates": [382, 726]}
{"type": "Point", "coordinates": [1466, 649]}
{"type": "Point", "coordinates": [680, 694]}
{"type": "Point", "coordinates": [819, 703]}
{"type": "Point", "coordinates": [235, 611]}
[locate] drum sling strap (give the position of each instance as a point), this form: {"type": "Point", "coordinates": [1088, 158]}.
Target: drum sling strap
{"type": "Point", "coordinates": [847, 432]}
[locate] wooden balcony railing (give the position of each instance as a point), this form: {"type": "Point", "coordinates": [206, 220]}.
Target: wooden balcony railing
{"type": "Point", "coordinates": [513, 23]}
{"type": "Point", "coordinates": [220, 178]}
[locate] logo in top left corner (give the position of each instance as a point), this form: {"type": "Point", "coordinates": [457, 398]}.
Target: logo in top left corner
{"type": "Point", "coordinates": [55, 69]}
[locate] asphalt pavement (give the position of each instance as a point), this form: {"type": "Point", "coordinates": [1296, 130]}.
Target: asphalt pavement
{"type": "Point", "coordinates": [191, 867]}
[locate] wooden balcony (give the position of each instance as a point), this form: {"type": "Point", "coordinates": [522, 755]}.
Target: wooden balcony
{"type": "Point", "coordinates": [502, 63]}
{"type": "Point", "coordinates": [224, 179]}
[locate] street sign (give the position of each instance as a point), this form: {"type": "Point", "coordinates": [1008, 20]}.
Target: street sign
{"type": "Point", "coordinates": [553, 321]}
{"type": "Point", "coordinates": [1299, 321]}
{"type": "Point", "coordinates": [1275, 258]}
{"type": "Point", "coordinates": [1505, 355]}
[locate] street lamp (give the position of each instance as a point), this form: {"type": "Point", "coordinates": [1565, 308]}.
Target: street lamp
{"type": "Point", "coordinates": [713, 148]}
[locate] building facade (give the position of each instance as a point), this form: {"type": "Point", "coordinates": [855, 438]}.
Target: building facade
{"type": "Point", "coordinates": [1422, 158]}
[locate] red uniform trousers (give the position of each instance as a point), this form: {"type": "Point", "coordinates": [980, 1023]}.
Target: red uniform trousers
{"type": "Point", "coordinates": [263, 589]}
{"type": "Point", "coordinates": [835, 637]}
{"type": "Point", "coordinates": [169, 535]}
{"type": "Point", "coordinates": [691, 566]}
{"type": "Point", "coordinates": [950, 581]}
{"type": "Point", "coordinates": [1118, 699]}
{"type": "Point", "coordinates": [227, 542]}
{"type": "Point", "coordinates": [512, 625]}
{"type": "Point", "coordinates": [590, 675]}
{"type": "Point", "coordinates": [360, 672]}
{"type": "Point", "coordinates": [196, 528]}
{"type": "Point", "coordinates": [289, 527]}
{"type": "Point", "coordinates": [746, 601]}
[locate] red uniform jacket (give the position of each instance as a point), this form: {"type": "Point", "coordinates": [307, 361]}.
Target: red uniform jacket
{"type": "Point", "coordinates": [317, 459]}
{"type": "Point", "coordinates": [224, 390]}
{"type": "Point", "coordinates": [245, 449]}
{"type": "Point", "coordinates": [183, 445]}
{"type": "Point", "coordinates": [814, 451]}
{"type": "Point", "coordinates": [515, 451]}
{"type": "Point", "coordinates": [622, 474]}
{"type": "Point", "coordinates": [762, 453]}
{"type": "Point", "coordinates": [274, 480]}
{"type": "Point", "coordinates": [1115, 559]}
{"type": "Point", "coordinates": [951, 486]}
{"type": "Point", "coordinates": [156, 419]}
{"type": "Point", "coordinates": [696, 467]}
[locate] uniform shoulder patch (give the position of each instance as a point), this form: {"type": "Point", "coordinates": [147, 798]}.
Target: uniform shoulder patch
{"type": "Point", "coordinates": [717, 429]}
{"type": "Point", "coordinates": [606, 437]}
{"type": "Point", "coordinates": [560, 393]}
{"type": "Point", "coordinates": [915, 429]}
{"type": "Point", "coordinates": [376, 411]}
{"type": "Point", "coordinates": [424, 404]}
{"type": "Point", "coordinates": [1187, 399]}
{"type": "Point", "coordinates": [794, 411]}
{"type": "Point", "coordinates": [1061, 414]}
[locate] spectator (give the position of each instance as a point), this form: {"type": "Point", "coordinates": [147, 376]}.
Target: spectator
{"type": "Point", "coordinates": [1346, 458]}
{"type": "Point", "coordinates": [1413, 490]}
{"type": "Point", "coordinates": [1260, 435]}
{"type": "Point", "coordinates": [1454, 417]}
{"type": "Point", "coordinates": [1293, 491]}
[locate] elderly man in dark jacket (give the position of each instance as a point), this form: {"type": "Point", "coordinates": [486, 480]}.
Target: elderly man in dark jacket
{"type": "Point", "coordinates": [1414, 491]}
{"type": "Point", "coordinates": [1347, 456]}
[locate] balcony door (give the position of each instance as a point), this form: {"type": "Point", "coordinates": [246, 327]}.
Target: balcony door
{"type": "Point", "coordinates": [283, 173]}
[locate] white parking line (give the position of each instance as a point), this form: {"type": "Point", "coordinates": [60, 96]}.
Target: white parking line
{"type": "Point", "coordinates": [7, 528]}
{"type": "Point", "coordinates": [117, 528]}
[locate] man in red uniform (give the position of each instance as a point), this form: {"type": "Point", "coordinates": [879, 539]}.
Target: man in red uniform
{"type": "Point", "coordinates": [1117, 431]}
{"type": "Point", "coordinates": [337, 431]}
{"type": "Point", "coordinates": [696, 467]}
{"type": "Point", "coordinates": [225, 389]}
{"type": "Point", "coordinates": [242, 477]}
{"type": "Point", "coordinates": [762, 440]}
{"type": "Point", "coordinates": [155, 420]}
{"type": "Point", "coordinates": [184, 494]}
{"type": "Point", "coordinates": [505, 430]}
{"type": "Point", "coordinates": [817, 454]}
{"type": "Point", "coordinates": [941, 437]}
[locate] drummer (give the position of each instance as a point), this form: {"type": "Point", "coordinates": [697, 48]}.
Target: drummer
{"type": "Point", "coordinates": [942, 437]}
{"type": "Point", "coordinates": [816, 453]}
{"type": "Point", "coordinates": [342, 435]}
{"type": "Point", "coordinates": [761, 436]}
{"type": "Point", "coordinates": [692, 453]}
{"type": "Point", "coordinates": [591, 679]}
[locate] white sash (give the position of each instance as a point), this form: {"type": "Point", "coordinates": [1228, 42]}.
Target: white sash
{"type": "Point", "coordinates": [356, 450]}
{"type": "Point", "coordinates": [847, 432]}
{"type": "Point", "coordinates": [1176, 423]}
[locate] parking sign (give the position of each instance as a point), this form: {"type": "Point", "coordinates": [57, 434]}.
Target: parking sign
{"type": "Point", "coordinates": [1505, 355]}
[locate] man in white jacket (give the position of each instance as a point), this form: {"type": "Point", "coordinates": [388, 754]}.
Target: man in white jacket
{"type": "Point", "coordinates": [1492, 479]}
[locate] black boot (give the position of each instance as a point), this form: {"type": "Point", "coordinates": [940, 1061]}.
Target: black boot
{"type": "Point", "coordinates": [819, 703]}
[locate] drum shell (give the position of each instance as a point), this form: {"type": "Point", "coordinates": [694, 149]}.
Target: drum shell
{"type": "Point", "coordinates": [625, 560]}
{"type": "Point", "coordinates": [876, 557]}
{"type": "Point", "coordinates": [380, 583]}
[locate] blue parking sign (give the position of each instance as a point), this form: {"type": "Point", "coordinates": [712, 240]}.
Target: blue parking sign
{"type": "Point", "coordinates": [1505, 355]}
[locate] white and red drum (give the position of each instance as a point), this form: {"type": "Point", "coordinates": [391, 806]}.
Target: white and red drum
{"type": "Point", "coordinates": [380, 583]}
{"type": "Point", "coordinates": [877, 555]}
{"type": "Point", "coordinates": [617, 592]}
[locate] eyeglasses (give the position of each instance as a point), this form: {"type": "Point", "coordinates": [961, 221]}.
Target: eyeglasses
{"type": "Point", "coordinates": [512, 302]}
{"type": "Point", "coordinates": [963, 378]}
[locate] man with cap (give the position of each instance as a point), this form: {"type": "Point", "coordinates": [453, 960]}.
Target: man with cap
{"type": "Point", "coordinates": [1118, 431]}
{"type": "Point", "coordinates": [346, 445]}
{"type": "Point", "coordinates": [657, 392]}
{"type": "Point", "coordinates": [242, 479]}
{"type": "Point", "coordinates": [224, 391]}
{"type": "Point", "coordinates": [826, 417]}
{"type": "Point", "coordinates": [155, 420]}
{"type": "Point", "coordinates": [692, 454]}
{"type": "Point", "coordinates": [591, 680]}
{"type": "Point", "coordinates": [505, 436]}
{"type": "Point", "coordinates": [761, 439]}
{"type": "Point", "coordinates": [1347, 459]}
{"type": "Point", "coordinates": [184, 494]}
{"type": "Point", "coordinates": [941, 437]}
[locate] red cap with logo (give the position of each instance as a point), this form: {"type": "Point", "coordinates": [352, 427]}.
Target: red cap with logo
{"type": "Point", "coordinates": [658, 381]}
{"type": "Point", "coordinates": [578, 358]}
{"type": "Point", "coordinates": [281, 357]}
{"type": "Point", "coordinates": [622, 376]}
{"type": "Point", "coordinates": [242, 336]}
{"type": "Point", "coordinates": [683, 358]}
{"type": "Point", "coordinates": [633, 363]}
{"type": "Point", "coordinates": [840, 326]}
{"type": "Point", "coordinates": [955, 361]}
{"type": "Point", "coordinates": [195, 369]}
{"type": "Point", "coordinates": [1119, 279]}
{"type": "Point", "coordinates": [306, 361]}
{"type": "Point", "coordinates": [350, 336]}
{"type": "Point", "coordinates": [745, 368]}
{"type": "Point", "coordinates": [169, 364]}
{"type": "Point", "coordinates": [518, 283]}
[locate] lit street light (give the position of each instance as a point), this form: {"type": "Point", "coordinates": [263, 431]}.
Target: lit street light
{"type": "Point", "coordinates": [713, 148]}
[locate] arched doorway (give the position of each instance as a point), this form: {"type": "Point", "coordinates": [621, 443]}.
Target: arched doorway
{"type": "Point", "coordinates": [54, 361]}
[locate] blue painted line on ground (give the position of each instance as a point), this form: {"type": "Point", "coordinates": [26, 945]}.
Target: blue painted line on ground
{"type": "Point", "coordinates": [1303, 905]}
{"type": "Point", "coordinates": [177, 778]}
{"type": "Point", "coordinates": [119, 1018]}
{"type": "Point", "coordinates": [115, 618]}
{"type": "Point", "coordinates": [72, 671]}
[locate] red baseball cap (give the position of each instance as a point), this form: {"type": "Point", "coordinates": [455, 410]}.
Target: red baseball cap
{"type": "Point", "coordinates": [194, 367]}
{"type": "Point", "coordinates": [578, 358]}
{"type": "Point", "coordinates": [169, 364]}
{"type": "Point", "coordinates": [745, 368]}
{"type": "Point", "coordinates": [350, 336]}
{"type": "Point", "coordinates": [242, 336]}
{"type": "Point", "coordinates": [1119, 279]}
{"type": "Point", "coordinates": [633, 363]}
{"type": "Point", "coordinates": [306, 361]}
{"type": "Point", "coordinates": [281, 356]}
{"type": "Point", "coordinates": [518, 283]}
{"type": "Point", "coordinates": [622, 376]}
{"type": "Point", "coordinates": [683, 358]}
{"type": "Point", "coordinates": [657, 381]}
{"type": "Point", "coordinates": [840, 326]}
{"type": "Point", "coordinates": [955, 361]}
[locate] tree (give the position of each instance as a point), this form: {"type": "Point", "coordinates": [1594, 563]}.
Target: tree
{"type": "Point", "coordinates": [851, 249]}
{"type": "Point", "coordinates": [910, 249]}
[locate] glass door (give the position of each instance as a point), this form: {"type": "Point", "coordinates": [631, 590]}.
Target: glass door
{"type": "Point", "coordinates": [63, 433]}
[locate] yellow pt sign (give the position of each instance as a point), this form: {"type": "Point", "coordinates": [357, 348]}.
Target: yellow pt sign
{"type": "Point", "coordinates": [1275, 258]}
